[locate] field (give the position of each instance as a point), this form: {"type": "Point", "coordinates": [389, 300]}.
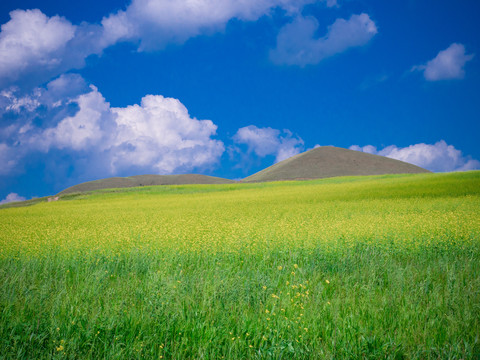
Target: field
{"type": "Point", "coordinates": [355, 267]}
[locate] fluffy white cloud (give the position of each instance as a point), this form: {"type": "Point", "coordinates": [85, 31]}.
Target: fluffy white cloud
{"type": "Point", "coordinates": [12, 197]}
{"type": "Point", "coordinates": [82, 130]}
{"type": "Point", "coordinates": [43, 105]}
{"type": "Point", "coordinates": [297, 44]}
{"type": "Point", "coordinates": [268, 141]}
{"type": "Point", "coordinates": [35, 47]}
{"type": "Point", "coordinates": [160, 134]}
{"type": "Point", "coordinates": [448, 64]}
{"type": "Point", "coordinates": [157, 136]}
{"type": "Point", "coordinates": [158, 22]}
{"type": "Point", "coordinates": [439, 157]}
{"type": "Point", "coordinates": [31, 38]}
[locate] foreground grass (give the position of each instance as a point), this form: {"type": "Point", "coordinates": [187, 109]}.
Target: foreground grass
{"type": "Point", "coordinates": [380, 267]}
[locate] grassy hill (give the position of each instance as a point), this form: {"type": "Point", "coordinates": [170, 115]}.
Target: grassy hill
{"type": "Point", "coordinates": [322, 162]}
{"type": "Point", "coordinates": [145, 180]}
{"type": "Point", "coordinates": [329, 161]}
{"type": "Point", "coordinates": [348, 267]}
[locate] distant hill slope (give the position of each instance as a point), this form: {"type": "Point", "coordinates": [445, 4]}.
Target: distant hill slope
{"type": "Point", "coordinates": [330, 161]}
{"type": "Point", "coordinates": [145, 180]}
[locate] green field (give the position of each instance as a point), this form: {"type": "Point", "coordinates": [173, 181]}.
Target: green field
{"type": "Point", "coordinates": [355, 267]}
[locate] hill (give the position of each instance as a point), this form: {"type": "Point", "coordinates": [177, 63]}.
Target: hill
{"type": "Point", "coordinates": [330, 161]}
{"type": "Point", "coordinates": [145, 180]}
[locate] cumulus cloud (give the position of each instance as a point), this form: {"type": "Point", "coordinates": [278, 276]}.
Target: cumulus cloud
{"type": "Point", "coordinates": [12, 197]}
{"type": "Point", "coordinates": [268, 141]}
{"type": "Point", "coordinates": [439, 157]}
{"type": "Point", "coordinates": [83, 130]}
{"type": "Point", "coordinates": [35, 47]}
{"type": "Point", "coordinates": [448, 64]}
{"type": "Point", "coordinates": [297, 44]}
{"type": "Point", "coordinates": [31, 38]}
{"type": "Point", "coordinates": [157, 136]}
{"type": "Point", "coordinates": [159, 133]}
{"type": "Point", "coordinates": [158, 22]}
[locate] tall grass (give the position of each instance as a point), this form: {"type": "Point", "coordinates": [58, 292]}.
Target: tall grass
{"type": "Point", "coordinates": [377, 267]}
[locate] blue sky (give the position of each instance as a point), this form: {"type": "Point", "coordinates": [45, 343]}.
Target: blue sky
{"type": "Point", "coordinates": [224, 87]}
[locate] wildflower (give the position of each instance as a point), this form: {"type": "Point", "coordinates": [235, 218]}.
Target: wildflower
{"type": "Point", "coordinates": [328, 282]}
{"type": "Point", "coordinates": [264, 287]}
{"type": "Point", "coordinates": [279, 267]}
{"type": "Point", "coordinates": [295, 266]}
{"type": "Point", "coordinates": [60, 348]}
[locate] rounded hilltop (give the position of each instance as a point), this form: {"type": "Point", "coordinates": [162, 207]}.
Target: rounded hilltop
{"type": "Point", "coordinates": [145, 180]}
{"type": "Point", "coordinates": [330, 161]}
{"type": "Point", "coordinates": [321, 162]}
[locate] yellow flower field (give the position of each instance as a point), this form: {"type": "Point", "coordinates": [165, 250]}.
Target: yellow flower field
{"type": "Point", "coordinates": [384, 266]}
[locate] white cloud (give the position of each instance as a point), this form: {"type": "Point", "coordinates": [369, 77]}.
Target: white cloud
{"type": "Point", "coordinates": [83, 130]}
{"type": "Point", "coordinates": [297, 44]}
{"type": "Point", "coordinates": [30, 39]}
{"type": "Point", "coordinates": [439, 157]}
{"type": "Point", "coordinates": [448, 64]}
{"type": "Point", "coordinates": [12, 197]}
{"type": "Point", "coordinates": [35, 47]}
{"type": "Point", "coordinates": [160, 134]}
{"type": "Point", "coordinates": [157, 136]}
{"type": "Point", "coordinates": [268, 141]}
{"type": "Point", "coordinates": [158, 22]}
{"type": "Point", "coordinates": [16, 104]}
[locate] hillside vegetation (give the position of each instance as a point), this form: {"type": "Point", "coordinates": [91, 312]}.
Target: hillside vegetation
{"type": "Point", "coordinates": [329, 161]}
{"type": "Point", "coordinates": [354, 267]}
{"type": "Point", "coordinates": [318, 163]}
{"type": "Point", "coordinates": [145, 180]}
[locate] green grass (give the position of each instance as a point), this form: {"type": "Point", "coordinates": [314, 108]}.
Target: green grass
{"type": "Point", "coordinates": [370, 267]}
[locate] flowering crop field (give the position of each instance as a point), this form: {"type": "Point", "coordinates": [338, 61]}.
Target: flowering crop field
{"type": "Point", "coordinates": [354, 267]}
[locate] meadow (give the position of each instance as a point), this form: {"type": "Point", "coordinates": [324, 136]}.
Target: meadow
{"type": "Point", "coordinates": [347, 268]}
